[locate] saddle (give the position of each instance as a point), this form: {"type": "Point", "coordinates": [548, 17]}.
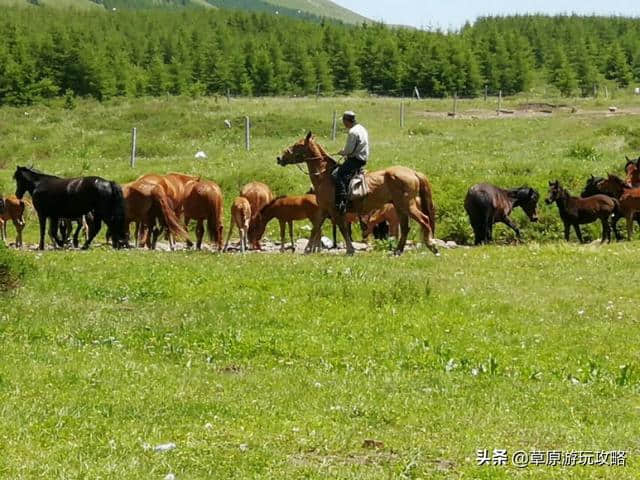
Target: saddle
{"type": "Point", "coordinates": [358, 187]}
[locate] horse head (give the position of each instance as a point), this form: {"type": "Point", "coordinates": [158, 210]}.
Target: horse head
{"type": "Point", "coordinates": [555, 192]}
{"type": "Point", "coordinates": [25, 181]}
{"type": "Point", "coordinates": [528, 201]}
{"type": "Point", "coordinates": [591, 188]}
{"type": "Point", "coordinates": [299, 152]}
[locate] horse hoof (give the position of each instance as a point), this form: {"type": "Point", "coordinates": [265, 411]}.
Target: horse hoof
{"type": "Point", "coordinates": [351, 253]}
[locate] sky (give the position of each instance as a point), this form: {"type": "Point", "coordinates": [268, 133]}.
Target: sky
{"type": "Point", "coordinates": [452, 14]}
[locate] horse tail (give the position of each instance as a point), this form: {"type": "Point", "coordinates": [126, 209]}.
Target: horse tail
{"type": "Point", "coordinates": [426, 201]}
{"type": "Point", "coordinates": [117, 211]}
{"type": "Point", "coordinates": [169, 218]}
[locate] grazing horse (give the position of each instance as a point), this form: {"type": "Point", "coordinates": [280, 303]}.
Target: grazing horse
{"type": "Point", "coordinates": [628, 197]}
{"type": "Point", "coordinates": [12, 209]}
{"type": "Point", "coordinates": [203, 201]}
{"type": "Point", "coordinates": [286, 209]}
{"type": "Point", "coordinates": [632, 168]}
{"type": "Point", "coordinates": [386, 215]}
{"type": "Point", "coordinates": [241, 217]}
{"type": "Point", "coordinates": [55, 198]}
{"type": "Point", "coordinates": [146, 203]}
{"type": "Point", "coordinates": [594, 187]}
{"type": "Point", "coordinates": [174, 185]}
{"type": "Point", "coordinates": [397, 185]}
{"type": "Point", "coordinates": [487, 204]}
{"type": "Point", "coordinates": [258, 194]}
{"type": "Point", "coordinates": [578, 211]}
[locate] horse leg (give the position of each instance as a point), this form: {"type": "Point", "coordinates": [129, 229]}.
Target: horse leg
{"type": "Point", "coordinates": [243, 239]}
{"type": "Point", "coordinates": [3, 231]}
{"type": "Point", "coordinates": [576, 227]}
{"type": "Point", "coordinates": [226, 244]}
{"type": "Point", "coordinates": [53, 232]}
{"type": "Point", "coordinates": [19, 224]}
{"type": "Point", "coordinates": [423, 221]}
{"type": "Point", "coordinates": [567, 231]}
{"type": "Point", "coordinates": [42, 220]}
{"type": "Point", "coordinates": [283, 226]}
{"type": "Point", "coordinates": [606, 230]}
{"type": "Point", "coordinates": [334, 228]}
{"type": "Point", "coordinates": [313, 244]}
{"type": "Point", "coordinates": [94, 228]}
{"type": "Point", "coordinates": [199, 234]}
{"type": "Point", "coordinates": [342, 224]}
{"type": "Point", "coordinates": [509, 223]}
{"type": "Point", "coordinates": [614, 224]}
{"type": "Point", "coordinates": [404, 232]}
{"type": "Point", "coordinates": [293, 245]}
{"type": "Point", "coordinates": [77, 233]}
{"type": "Point", "coordinates": [629, 218]}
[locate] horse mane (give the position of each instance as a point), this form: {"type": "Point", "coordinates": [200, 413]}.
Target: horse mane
{"type": "Point", "coordinates": [324, 153]}
{"type": "Point", "coordinates": [615, 178]}
{"type": "Point", "coordinates": [270, 204]}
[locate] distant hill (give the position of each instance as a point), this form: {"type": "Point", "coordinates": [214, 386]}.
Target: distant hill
{"type": "Point", "coordinates": [291, 8]}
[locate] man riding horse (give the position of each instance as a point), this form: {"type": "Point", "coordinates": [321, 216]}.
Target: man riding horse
{"type": "Point", "coordinates": [356, 153]}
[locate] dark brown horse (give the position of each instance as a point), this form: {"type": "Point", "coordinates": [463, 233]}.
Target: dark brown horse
{"type": "Point", "coordinates": [632, 168]}
{"type": "Point", "coordinates": [628, 197]}
{"type": "Point", "coordinates": [397, 185]}
{"type": "Point", "coordinates": [576, 211]}
{"type": "Point", "coordinates": [487, 204]}
{"type": "Point", "coordinates": [55, 198]}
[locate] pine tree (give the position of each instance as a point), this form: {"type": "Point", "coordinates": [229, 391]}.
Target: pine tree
{"type": "Point", "coordinates": [561, 73]}
{"type": "Point", "coordinates": [617, 67]}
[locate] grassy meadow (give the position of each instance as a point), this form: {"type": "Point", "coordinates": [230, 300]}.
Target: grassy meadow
{"type": "Point", "coordinates": [281, 366]}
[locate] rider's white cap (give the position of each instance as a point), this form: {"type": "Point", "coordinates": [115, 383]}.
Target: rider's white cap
{"type": "Point", "coordinates": [349, 115]}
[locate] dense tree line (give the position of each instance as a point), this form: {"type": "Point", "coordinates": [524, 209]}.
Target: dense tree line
{"type": "Point", "coordinates": [202, 52]}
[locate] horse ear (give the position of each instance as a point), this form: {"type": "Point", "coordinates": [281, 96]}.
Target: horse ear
{"type": "Point", "coordinates": [628, 160]}
{"type": "Point", "coordinates": [309, 137]}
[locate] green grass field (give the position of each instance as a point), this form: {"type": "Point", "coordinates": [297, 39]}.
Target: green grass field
{"type": "Point", "coordinates": [281, 366]}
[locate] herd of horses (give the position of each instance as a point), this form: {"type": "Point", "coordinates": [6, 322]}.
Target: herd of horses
{"type": "Point", "coordinates": [158, 204]}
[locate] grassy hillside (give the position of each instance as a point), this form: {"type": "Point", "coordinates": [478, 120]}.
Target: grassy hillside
{"type": "Point", "coordinates": [322, 8]}
{"type": "Point", "coordinates": [294, 8]}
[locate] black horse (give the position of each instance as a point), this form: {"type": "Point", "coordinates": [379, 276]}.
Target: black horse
{"type": "Point", "coordinates": [487, 204]}
{"type": "Point", "coordinates": [55, 198]}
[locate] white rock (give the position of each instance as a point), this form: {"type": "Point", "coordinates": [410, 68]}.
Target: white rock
{"type": "Point", "coordinates": [165, 447]}
{"type": "Point", "coordinates": [227, 123]}
{"type": "Point", "coordinates": [201, 154]}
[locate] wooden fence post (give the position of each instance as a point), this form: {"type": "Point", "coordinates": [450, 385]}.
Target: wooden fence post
{"type": "Point", "coordinates": [402, 114]}
{"type": "Point", "coordinates": [334, 128]}
{"type": "Point", "coordinates": [455, 104]}
{"type": "Point", "coordinates": [499, 102]}
{"type": "Point", "coordinates": [134, 135]}
{"type": "Point", "coordinates": [247, 133]}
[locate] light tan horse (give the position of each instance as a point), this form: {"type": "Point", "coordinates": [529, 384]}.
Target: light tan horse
{"type": "Point", "coordinates": [241, 217]}
{"type": "Point", "coordinates": [286, 209]}
{"type": "Point", "coordinates": [397, 185]}
{"type": "Point", "coordinates": [12, 209]}
{"type": "Point", "coordinates": [203, 201]}
{"type": "Point", "coordinates": [258, 194]}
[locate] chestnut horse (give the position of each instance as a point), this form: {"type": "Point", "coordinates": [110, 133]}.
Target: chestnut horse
{"type": "Point", "coordinates": [628, 197]}
{"type": "Point", "coordinates": [632, 168]}
{"type": "Point", "coordinates": [385, 214]}
{"type": "Point", "coordinates": [146, 202]}
{"type": "Point", "coordinates": [12, 209]}
{"type": "Point", "coordinates": [203, 201]}
{"type": "Point", "coordinates": [578, 211]}
{"type": "Point", "coordinates": [286, 209]}
{"type": "Point", "coordinates": [258, 195]}
{"type": "Point", "coordinates": [397, 185]}
{"type": "Point", "coordinates": [173, 185]}
{"type": "Point", "coordinates": [241, 217]}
